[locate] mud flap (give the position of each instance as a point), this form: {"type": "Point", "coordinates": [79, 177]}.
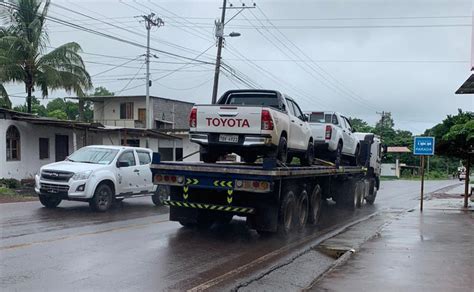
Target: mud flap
{"type": "Point", "coordinates": [265, 219]}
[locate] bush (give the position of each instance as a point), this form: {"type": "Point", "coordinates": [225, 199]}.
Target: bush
{"type": "Point", "coordinates": [10, 183]}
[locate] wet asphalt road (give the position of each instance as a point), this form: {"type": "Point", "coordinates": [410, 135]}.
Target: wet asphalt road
{"type": "Point", "coordinates": [135, 247]}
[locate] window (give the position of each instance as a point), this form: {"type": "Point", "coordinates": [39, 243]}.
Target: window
{"type": "Point", "coordinates": [298, 112]}
{"type": "Point", "coordinates": [334, 120]}
{"type": "Point", "coordinates": [291, 109]}
{"type": "Point", "coordinates": [131, 142]}
{"type": "Point", "coordinates": [143, 157]}
{"type": "Point", "coordinates": [13, 143]}
{"type": "Point", "coordinates": [126, 111]}
{"type": "Point", "coordinates": [43, 148]}
{"type": "Point", "coordinates": [128, 158]}
{"type": "Point", "coordinates": [179, 154]}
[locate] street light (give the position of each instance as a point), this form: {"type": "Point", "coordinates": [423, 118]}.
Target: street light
{"type": "Point", "coordinates": [234, 34]}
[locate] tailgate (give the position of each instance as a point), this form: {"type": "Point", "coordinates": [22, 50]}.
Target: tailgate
{"type": "Point", "coordinates": [318, 130]}
{"type": "Point", "coordinates": [229, 119]}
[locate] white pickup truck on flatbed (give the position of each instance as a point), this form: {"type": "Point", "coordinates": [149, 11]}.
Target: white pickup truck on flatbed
{"type": "Point", "coordinates": [99, 175]}
{"type": "Point", "coordinates": [333, 136]}
{"type": "Point", "coordinates": [252, 123]}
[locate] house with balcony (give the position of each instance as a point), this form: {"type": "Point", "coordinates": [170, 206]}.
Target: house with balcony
{"type": "Point", "coordinates": [127, 115]}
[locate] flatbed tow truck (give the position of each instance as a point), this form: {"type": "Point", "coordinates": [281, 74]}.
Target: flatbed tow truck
{"type": "Point", "coordinates": [273, 198]}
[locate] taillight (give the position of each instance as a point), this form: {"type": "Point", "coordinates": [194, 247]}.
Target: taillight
{"type": "Point", "coordinates": [328, 132]}
{"type": "Point", "coordinates": [174, 180]}
{"type": "Point", "coordinates": [193, 118]}
{"type": "Point", "coordinates": [267, 121]}
{"type": "Point", "coordinates": [252, 186]}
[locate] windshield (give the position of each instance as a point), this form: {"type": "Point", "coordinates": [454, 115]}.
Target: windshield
{"type": "Point", "coordinates": [247, 99]}
{"type": "Point", "coordinates": [93, 155]}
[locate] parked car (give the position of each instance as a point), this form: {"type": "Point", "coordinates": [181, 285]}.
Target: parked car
{"type": "Point", "coordinates": [334, 137]}
{"type": "Point", "coordinates": [99, 175]}
{"type": "Point", "coordinates": [252, 123]}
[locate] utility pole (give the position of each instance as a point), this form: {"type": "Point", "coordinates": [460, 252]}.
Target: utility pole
{"type": "Point", "coordinates": [220, 41]}
{"type": "Point", "coordinates": [150, 21]}
{"type": "Point", "coordinates": [220, 34]}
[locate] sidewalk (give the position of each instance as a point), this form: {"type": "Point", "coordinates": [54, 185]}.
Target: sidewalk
{"type": "Point", "coordinates": [432, 251]}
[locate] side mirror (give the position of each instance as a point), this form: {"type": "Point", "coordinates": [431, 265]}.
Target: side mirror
{"type": "Point", "coordinates": [354, 130]}
{"type": "Point", "coordinates": [304, 118]}
{"type": "Point", "coordinates": [122, 164]}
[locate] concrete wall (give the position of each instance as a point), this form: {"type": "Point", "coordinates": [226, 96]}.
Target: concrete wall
{"type": "Point", "coordinates": [108, 112]}
{"type": "Point", "coordinates": [29, 162]}
{"type": "Point", "coordinates": [163, 110]}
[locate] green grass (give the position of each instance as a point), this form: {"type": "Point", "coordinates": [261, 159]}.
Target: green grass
{"type": "Point", "coordinates": [9, 195]}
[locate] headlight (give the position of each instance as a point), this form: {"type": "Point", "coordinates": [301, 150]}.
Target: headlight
{"type": "Point", "coordinates": [82, 175]}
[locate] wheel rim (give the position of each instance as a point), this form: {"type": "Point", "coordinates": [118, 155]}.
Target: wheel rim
{"type": "Point", "coordinates": [303, 211]}
{"type": "Point", "coordinates": [316, 203]}
{"type": "Point", "coordinates": [103, 198]}
{"type": "Point", "coordinates": [288, 216]}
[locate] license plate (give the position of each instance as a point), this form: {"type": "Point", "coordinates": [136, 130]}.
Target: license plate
{"type": "Point", "coordinates": [229, 138]}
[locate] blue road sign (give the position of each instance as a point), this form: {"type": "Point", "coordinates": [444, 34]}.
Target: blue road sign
{"type": "Point", "coordinates": [423, 146]}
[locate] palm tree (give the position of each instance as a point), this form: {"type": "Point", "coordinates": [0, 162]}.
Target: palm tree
{"type": "Point", "coordinates": [21, 54]}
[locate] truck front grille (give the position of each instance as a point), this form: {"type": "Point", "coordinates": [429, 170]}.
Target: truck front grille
{"type": "Point", "coordinates": [54, 188]}
{"type": "Point", "coordinates": [56, 175]}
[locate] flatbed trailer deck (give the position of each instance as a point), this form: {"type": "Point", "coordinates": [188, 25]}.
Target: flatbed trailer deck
{"type": "Point", "coordinates": [273, 198]}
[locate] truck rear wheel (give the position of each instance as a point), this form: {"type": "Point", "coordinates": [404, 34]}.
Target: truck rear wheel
{"type": "Point", "coordinates": [315, 203]}
{"type": "Point", "coordinates": [286, 213]}
{"type": "Point", "coordinates": [308, 158]}
{"type": "Point", "coordinates": [282, 151]}
{"type": "Point", "coordinates": [49, 201]}
{"type": "Point", "coordinates": [303, 209]}
{"type": "Point", "coordinates": [102, 199]}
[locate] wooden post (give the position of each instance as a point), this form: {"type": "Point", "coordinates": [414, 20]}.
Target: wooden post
{"type": "Point", "coordinates": [466, 181]}
{"type": "Point", "coordinates": [422, 181]}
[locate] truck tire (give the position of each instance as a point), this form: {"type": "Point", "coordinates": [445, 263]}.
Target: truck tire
{"type": "Point", "coordinates": [315, 204]}
{"type": "Point", "coordinates": [102, 199]}
{"type": "Point", "coordinates": [355, 159]}
{"type": "Point", "coordinates": [370, 199]}
{"type": "Point", "coordinates": [161, 194]}
{"type": "Point", "coordinates": [282, 151]}
{"type": "Point", "coordinates": [49, 202]}
{"type": "Point", "coordinates": [249, 157]}
{"type": "Point", "coordinates": [308, 158]}
{"type": "Point", "coordinates": [301, 215]}
{"type": "Point", "coordinates": [209, 157]}
{"type": "Point", "coordinates": [338, 155]}
{"type": "Point", "coordinates": [286, 213]}
{"type": "Point", "coordinates": [359, 193]}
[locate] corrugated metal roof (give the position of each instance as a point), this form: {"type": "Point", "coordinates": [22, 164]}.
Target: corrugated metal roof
{"type": "Point", "coordinates": [467, 87]}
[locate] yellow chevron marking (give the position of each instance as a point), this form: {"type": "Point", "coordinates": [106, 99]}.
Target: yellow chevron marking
{"type": "Point", "coordinates": [230, 192]}
{"type": "Point", "coordinates": [207, 206]}
{"type": "Point", "coordinates": [220, 208]}
{"type": "Point", "coordinates": [216, 183]}
{"type": "Point", "coordinates": [192, 205]}
{"type": "Point", "coordinates": [199, 206]}
{"type": "Point", "coordinates": [185, 204]}
{"type": "Point", "coordinates": [213, 207]}
{"type": "Point", "coordinates": [185, 196]}
{"type": "Point", "coordinates": [178, 203]}
{"type": "Point", "coordinates": [229, 200]}
{"type": "Point", "coordinates": [228, 208]}
{"type": "Point", "coordinates": [185, 189]}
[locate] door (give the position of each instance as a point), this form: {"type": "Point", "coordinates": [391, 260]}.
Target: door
{"type": "Point", "coordinates": [61, 147]}
{"type": "Point", "coordinates": [304, 131]}
{"type": "Point", "coordinates": [348, 139]}
{"type": "Point", "coordinates": [127, 173]}
{"type": "Point", "coordinates": [293, 135]}
{"type": "Point", "coordinates": [142, 115]}
{"type": "Point", "coordinates": [146, 178]}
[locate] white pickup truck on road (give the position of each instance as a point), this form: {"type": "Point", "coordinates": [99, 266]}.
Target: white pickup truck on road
{"type": "Point", "coordinates": [252, 123]}
{"type": "Point", "coordinates": [99, 175]}
{"type": "Point", "coordinates": [333, 136]}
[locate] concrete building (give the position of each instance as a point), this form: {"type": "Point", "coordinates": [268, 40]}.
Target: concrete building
{"type": "Point", "coordinates": [129, 112]}
{"type": "Point", "coordinates": [28, 142]}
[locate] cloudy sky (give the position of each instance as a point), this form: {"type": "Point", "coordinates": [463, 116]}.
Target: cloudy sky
{"type": "Point", "coordinates": [358, 57]}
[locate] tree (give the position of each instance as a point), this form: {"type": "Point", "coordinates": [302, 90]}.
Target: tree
{"type": "Point", "coordinates": [455, 135]}
{"type": "Point", "coordinates": [22, 54]}
{"type": "Point", "coordinates": [4, 98]}
{"type": "Point", "coordinates": [360, 125]}
{"type": "Point", "coordinates": [102, 91]}
{"type": "Point", "coordinates": [36, 108]}
{"type": "Point", "coordinates": [58, 114]}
